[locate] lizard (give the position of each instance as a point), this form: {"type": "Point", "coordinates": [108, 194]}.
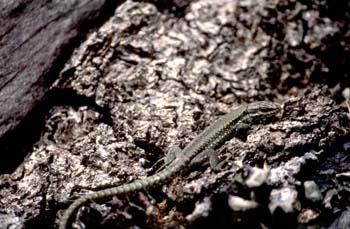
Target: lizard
{"type": "Point", "coordinates": [214, 136]}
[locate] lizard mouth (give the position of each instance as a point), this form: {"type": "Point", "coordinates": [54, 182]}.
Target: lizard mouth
{"type": "Point", "coordinates": [280, 113]}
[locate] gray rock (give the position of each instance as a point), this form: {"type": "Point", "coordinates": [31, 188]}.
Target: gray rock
{"type": "Point", "coordinates": [239, 204]}
{"type": "Point", "coordinates": [312, 192]}
{"type": "Point", "coordinates": [285, 198]}
{"type": "Point", "coordinates": [342, 222]}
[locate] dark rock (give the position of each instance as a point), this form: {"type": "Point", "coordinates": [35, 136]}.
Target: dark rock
{"type": "Point", "coordinates": [36, 38]}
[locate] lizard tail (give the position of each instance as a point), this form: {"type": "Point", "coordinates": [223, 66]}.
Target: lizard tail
{"type": "Point", "coordinates": [70, 211]}
{"type": "Point", "coordinates": [122, 189]}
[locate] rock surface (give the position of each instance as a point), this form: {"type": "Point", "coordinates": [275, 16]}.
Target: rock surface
{"type": "Point", "coordinates": [161, 75]}
{"type": "Point", "coordinates": [36, 38]}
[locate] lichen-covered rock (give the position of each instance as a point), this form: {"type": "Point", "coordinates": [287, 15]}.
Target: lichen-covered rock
{"type": "Point", "coordinates": [159, 79]}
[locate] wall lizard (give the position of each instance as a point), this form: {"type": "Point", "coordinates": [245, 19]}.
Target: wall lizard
{"type": "Point", "coordinates": [210, 139]}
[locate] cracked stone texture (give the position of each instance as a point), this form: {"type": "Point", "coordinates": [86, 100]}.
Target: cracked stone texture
{"type": "Point", "coordinates": [164, 77]}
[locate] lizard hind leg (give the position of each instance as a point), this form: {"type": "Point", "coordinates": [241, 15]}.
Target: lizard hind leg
{"type": "Point", "coordinates": [174, 153]}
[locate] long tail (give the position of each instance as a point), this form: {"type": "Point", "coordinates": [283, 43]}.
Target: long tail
{"type": "Point", "coordinates": [137, 185]}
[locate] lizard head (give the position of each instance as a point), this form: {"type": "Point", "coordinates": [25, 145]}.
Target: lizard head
{"type": "Point", "coordinates": [262, 112]}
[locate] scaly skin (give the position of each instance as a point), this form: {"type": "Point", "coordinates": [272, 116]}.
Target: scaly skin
{"type": "Point", "coordinates": [211, 138]}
